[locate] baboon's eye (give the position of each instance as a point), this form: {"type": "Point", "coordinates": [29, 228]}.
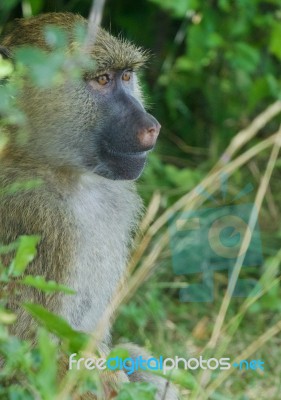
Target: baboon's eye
{"type": "Point", "coordinates": [127, 76]}
{"type": "Point", "coordinates": [103, 79]}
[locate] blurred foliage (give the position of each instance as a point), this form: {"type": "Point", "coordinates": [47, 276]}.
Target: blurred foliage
{"type": "Point", "coordinates": [35, 368]}
{"type": "Point", "coordinates": [30, 371]}
{"type": "Point", "coordinates": [215, 65]}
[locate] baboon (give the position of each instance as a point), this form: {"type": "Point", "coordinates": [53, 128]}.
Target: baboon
{"type": "Point", "coordinates": [87, 142]}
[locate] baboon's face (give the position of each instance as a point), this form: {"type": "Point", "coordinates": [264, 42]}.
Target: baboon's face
{"type": "Point", "coordinates": [98, 122]}
{"type": "Point", "coordinates": [124, 132]}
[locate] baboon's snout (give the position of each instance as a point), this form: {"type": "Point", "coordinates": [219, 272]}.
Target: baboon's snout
{"type": "Point", "coordinates": [148, 133]}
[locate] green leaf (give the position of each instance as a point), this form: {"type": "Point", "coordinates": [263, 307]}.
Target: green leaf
{"type": "Point", "coordinates": [244, 57]}
{"type": "Point", "coordinates": [46, 375]}
{"type": "Point", "coordinates": [259, 90]}
{"type": "Point", "coordinates": [31, 56]}
{"type": "Point", "coordinates": [44, 68]}
{"type": "Point", "coordinates": [26, 252]}
{"type": "Point", "coordinates": [36, 6]}
{"type": "Point", "coordinates": [80, 33]}
{"type": "Point", "coordinates": [8, 248]}
{"type": "Point", "coordinates": [119, 352]}
{"type": "Point", "coordinates": [7, 317]}
{"type": "Point", "coordinates": [18, 393]}
{"type": "Point", "coordinates": [137, 391]}
{"type": "Point", "coordinates": [9, 5]}
{"type": "Point", "coordinates": [39, 282]}
{"type": "Point", "coordinates": [225, 5]}
{"type": "Point", "coordinates": [7, 92]}
{"type": "Point", "coordinates": [184, 378]}
{"type": "Point", "coordinates": [275, 45]}
{"type": "Point", "coordinates": [57, 325]}
{"type": "Point", "coordinates": [18, 186]}
{"type": "Point", "coordinates": [55, 36]}
{"type": "Point", "coordinates": [6, 68]}
{"type": "Point", "coordinates": [179, 8]}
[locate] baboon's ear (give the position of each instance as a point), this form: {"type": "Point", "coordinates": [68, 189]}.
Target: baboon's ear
{"type": "Point", "coordinates": [5, 53]}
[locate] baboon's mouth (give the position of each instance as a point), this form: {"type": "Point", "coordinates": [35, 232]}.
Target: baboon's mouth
{"type": "Point", "coordinates": [137, 154]}
{"type": "Point", "coordinates": [121, 165]}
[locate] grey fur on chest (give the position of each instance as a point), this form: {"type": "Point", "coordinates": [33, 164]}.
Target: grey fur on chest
{"type": "Point", "coordinates": [104, 214]}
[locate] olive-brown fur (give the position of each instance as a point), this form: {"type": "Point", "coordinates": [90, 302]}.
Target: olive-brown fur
{"type": "Point", "coordinates": [84, 209]}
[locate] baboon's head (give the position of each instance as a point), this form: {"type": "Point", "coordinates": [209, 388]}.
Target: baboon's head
{"type": "Point", "coordinates": [98, 124]}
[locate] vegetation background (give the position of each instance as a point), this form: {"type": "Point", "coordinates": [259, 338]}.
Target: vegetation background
{"type": "Point", "coordinates": [215, 67]}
